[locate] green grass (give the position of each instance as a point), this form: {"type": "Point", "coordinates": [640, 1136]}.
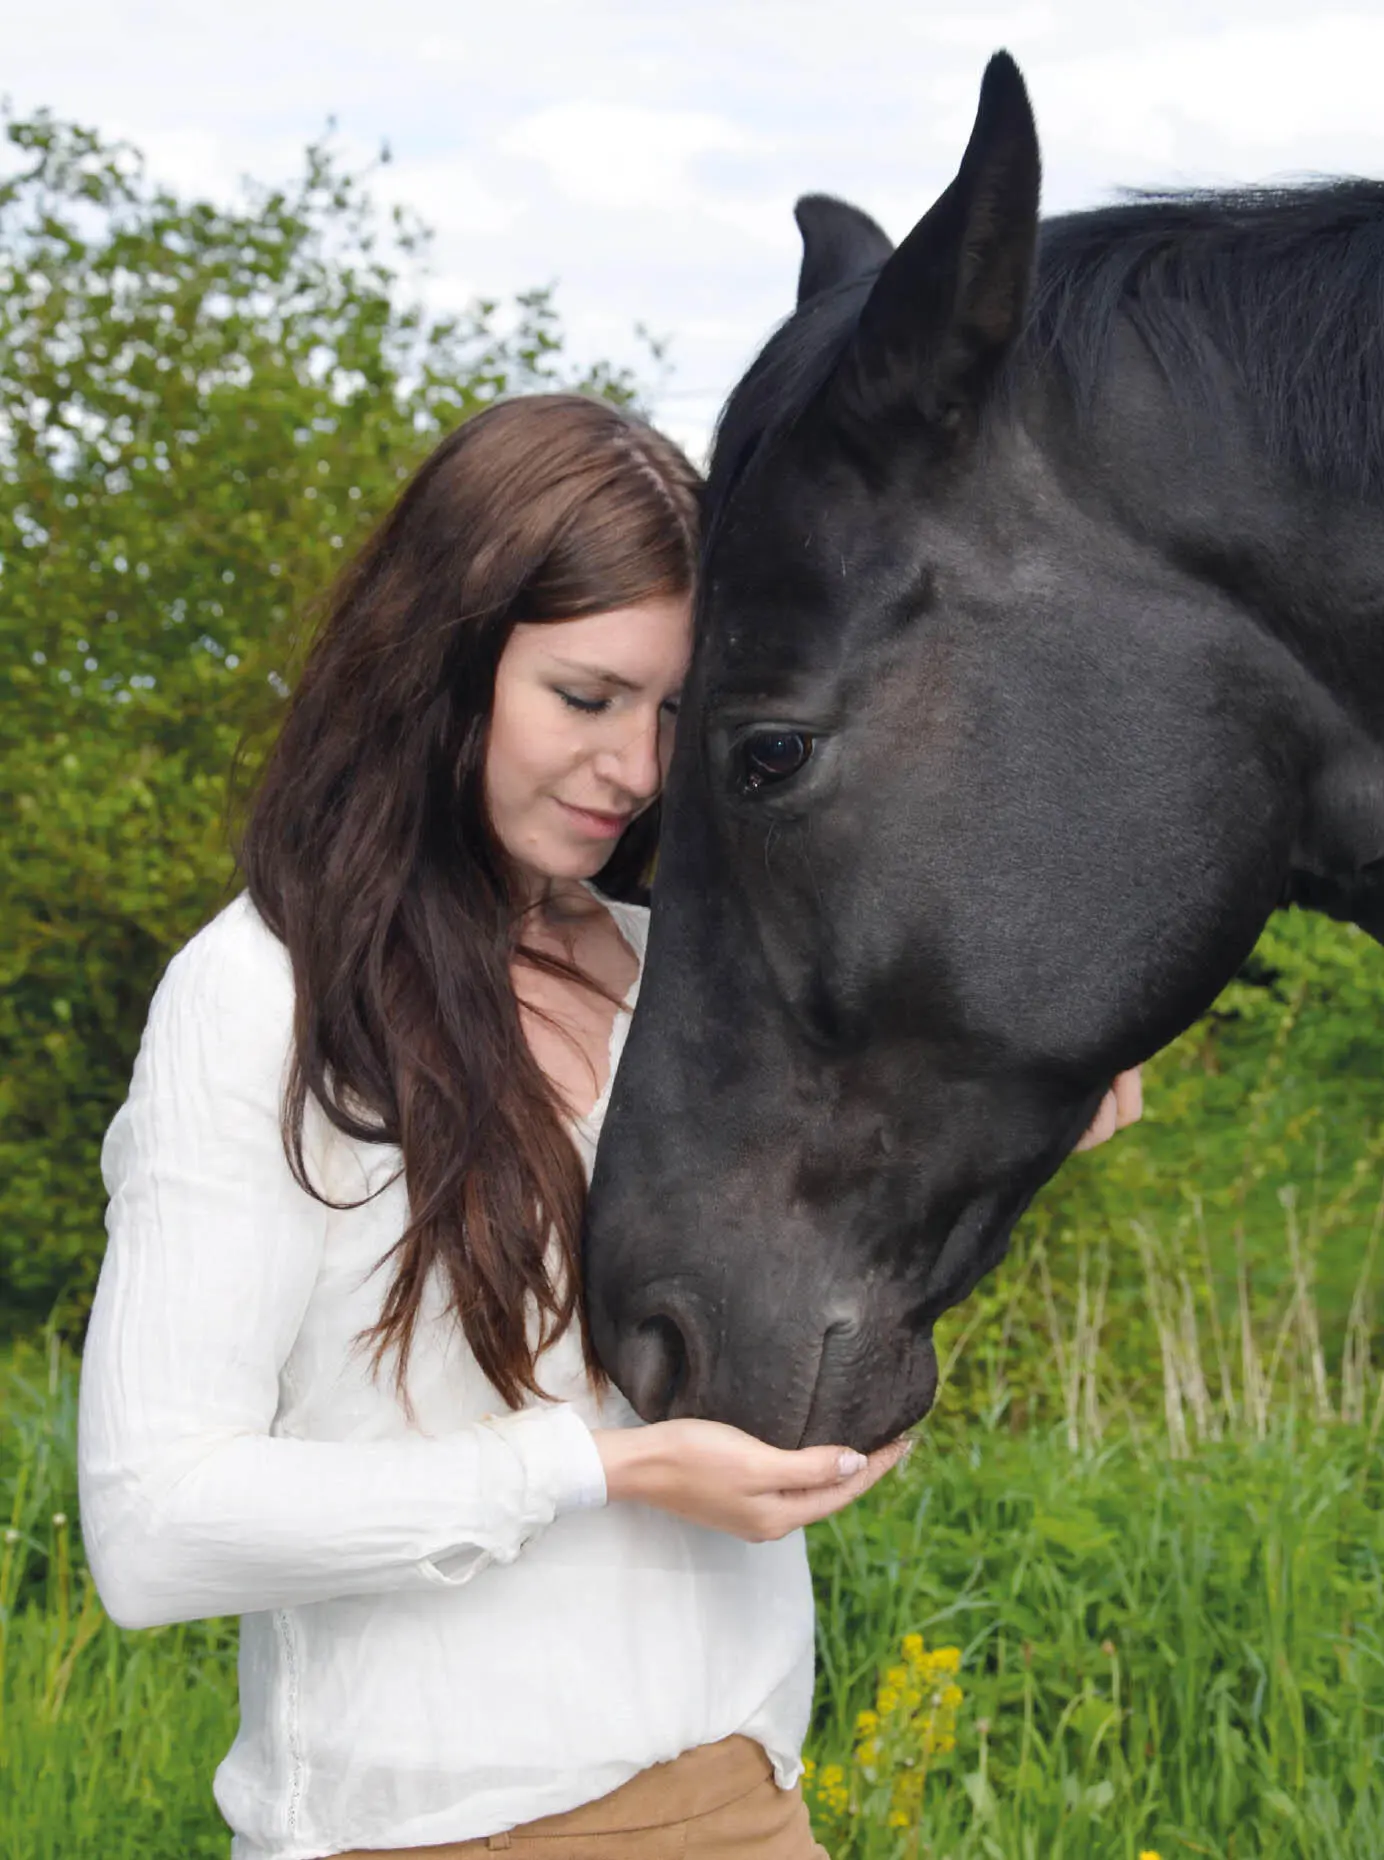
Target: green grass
{"type": "Point", "coordinates": [1169, 1607]}
{"type": "Point", "coordinates": [1184, 1655]}
{"type": "Point", "coordinates": [107, 1740]}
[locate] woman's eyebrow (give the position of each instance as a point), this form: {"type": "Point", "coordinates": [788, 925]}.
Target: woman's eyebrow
{"type": "Point", "coordinates": [601, 677]}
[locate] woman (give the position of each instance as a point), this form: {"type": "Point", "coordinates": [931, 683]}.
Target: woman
{"type": "Point", "coordinates": [336, 1379]}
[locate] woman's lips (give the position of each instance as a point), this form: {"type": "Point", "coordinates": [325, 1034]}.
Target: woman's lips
{"type": "Point", "coordinates": [598, 826]}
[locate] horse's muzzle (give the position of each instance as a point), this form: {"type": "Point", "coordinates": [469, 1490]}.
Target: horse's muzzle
{"type": "Point", "coordinates": [854, 1376]}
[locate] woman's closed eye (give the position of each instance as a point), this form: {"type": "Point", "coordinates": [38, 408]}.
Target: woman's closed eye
{"type": "Point", "coordinates": [589, 707]}
{"type": "Point", "coordinates": [593, 706]}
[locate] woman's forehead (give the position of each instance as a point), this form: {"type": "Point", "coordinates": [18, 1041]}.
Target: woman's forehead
{"type": "Point", "coordinates": [636, 645]}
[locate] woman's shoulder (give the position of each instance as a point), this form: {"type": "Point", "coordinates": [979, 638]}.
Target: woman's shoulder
{"type": "Point", "coordinates": [235, 945]}
{"type": "Point", "coordinates": [216, 1041]}
{"type": "Point", "coordinates": [234, 970]}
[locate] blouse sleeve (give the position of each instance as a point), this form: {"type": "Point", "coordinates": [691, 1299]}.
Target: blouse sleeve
{"type": "Point", "coordinates": [190, 1506]}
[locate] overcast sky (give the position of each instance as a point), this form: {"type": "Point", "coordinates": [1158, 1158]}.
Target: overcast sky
{"type": "Point", "coordinates": [645, 154]}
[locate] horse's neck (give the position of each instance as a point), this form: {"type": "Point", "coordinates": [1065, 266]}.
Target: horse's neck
{"type": "Point", "coordinates": [1196, 486]}
{"type": "Point", "coordinates": [1309, 569]}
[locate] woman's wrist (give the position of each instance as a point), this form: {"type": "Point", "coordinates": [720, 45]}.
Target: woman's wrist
{"type": "Point", "coordinates": [627, 1454]}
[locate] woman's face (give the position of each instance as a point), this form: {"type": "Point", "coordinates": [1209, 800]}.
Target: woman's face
{"type": "Point", "coordinates": [581, 731]}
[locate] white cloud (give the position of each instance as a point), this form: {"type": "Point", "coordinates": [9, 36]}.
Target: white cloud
{"type": "Point", "coordinates": [451, 194]}
{"type": "Point", "coordinates": [1262, 93]}
{"type": "Point", "coordinates": [617, 156]}
{"type": "Point", "coordinates": [984, 29]}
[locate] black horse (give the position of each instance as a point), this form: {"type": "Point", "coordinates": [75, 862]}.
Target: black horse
{"type": "Point", "coordinates": [1040, 657]}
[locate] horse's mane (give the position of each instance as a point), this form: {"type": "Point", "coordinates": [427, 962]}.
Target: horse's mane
{"type": "Point", "coordinates": [1286, 285]}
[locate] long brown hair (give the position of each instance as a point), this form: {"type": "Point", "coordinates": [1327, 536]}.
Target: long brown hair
{"type": "Point", "coordinates": [369, 852]}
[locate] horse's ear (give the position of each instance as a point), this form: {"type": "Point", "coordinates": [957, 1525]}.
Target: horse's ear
{"type": "Point", "coordinates": [839, 243]}
{"type": "Point", "coordinates": [949, 303]}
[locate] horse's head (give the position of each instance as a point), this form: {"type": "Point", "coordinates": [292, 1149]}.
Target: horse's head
{"type": "Point", "coordinates": [977, 800]}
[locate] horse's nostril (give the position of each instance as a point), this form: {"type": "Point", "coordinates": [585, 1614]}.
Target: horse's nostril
{"type": "Point", "coordinates": [655, 1367]}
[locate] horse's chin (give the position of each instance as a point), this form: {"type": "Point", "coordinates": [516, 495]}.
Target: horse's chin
{"type": "Point", "coordinates": [897, 1408]}
{"type": "Point", "coordinates": [867, 1410]}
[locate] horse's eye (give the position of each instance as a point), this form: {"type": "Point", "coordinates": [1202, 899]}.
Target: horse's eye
{"type": "Point", "coordinates": [773, 756]}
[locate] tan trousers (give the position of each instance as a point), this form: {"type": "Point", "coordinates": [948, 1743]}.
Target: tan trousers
{"type": "Point", "coordinates": [719, 1802]}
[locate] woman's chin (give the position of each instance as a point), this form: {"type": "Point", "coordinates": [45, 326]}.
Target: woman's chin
{"type": "Point", "coordinates": [568, 861]}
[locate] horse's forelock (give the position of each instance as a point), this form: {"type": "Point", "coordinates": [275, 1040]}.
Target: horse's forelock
{"type": "Point", "coordinates": [783, 382]}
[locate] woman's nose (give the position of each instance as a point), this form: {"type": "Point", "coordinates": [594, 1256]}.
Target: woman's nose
{"type": "Point", "coordinates": [632, 761]}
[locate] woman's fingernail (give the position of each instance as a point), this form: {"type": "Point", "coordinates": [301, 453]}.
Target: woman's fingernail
{"type": "Point", "coordinates": [907, 1449]}
{"type": "Point", "coordinates": [850, 1463]}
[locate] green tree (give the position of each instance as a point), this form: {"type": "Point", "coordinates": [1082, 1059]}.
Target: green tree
{"type": "Point", "coordinates": [202, 408]}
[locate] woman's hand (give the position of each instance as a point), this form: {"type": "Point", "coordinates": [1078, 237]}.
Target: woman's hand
{"type": "Point", "coordinates": [1122, 1104]}
{"type": "Point", "coordinates": [729, 1481]}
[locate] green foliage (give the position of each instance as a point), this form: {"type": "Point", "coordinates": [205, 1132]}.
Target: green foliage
{"type": "Point", "coordinates": [202, 409]}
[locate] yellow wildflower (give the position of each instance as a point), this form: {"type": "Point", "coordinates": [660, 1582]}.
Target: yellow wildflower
{"type": "Point", "coordinates": [832, 1789]}
{"type": "Point", "coordinates": [896, 1743]}
{"type": "Point", "coordinates": [913, 1723]}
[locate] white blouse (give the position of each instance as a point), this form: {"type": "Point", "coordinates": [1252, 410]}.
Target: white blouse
{"type": "Point", "coordinates": [447, 1631]}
